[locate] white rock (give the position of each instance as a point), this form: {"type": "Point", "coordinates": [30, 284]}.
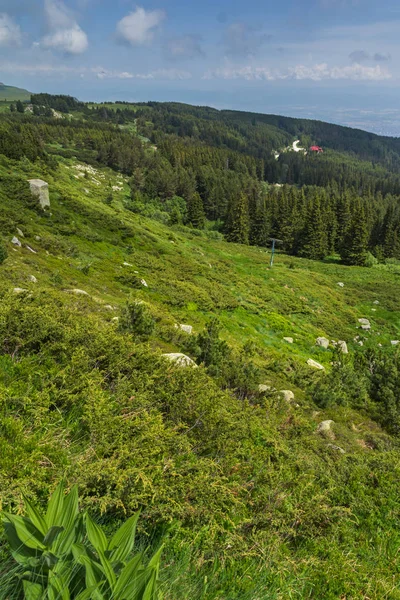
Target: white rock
{"type": "Point", "coordinates": [337, 448]}
{"type": "Point", "coordinates": [37, 238]}
{"type": "Point", "coordinates": [108, 307]}
{"type": "Point", "coordinates": [31, 249]}
{"type": "Point", "coordinates": [361, 343]}
{"type": "Point", "coordinates": [143, 282]}
{"type": "Point", "coordinates": [77, 292]}
{"type": "Point", "coordinates": [342, 347]}
{"type": "Point", "coordinates": [115, 319]}
{"type": "Point", "coordinates": [264, 388]}
{"type": "Point", "coordinates": [186, 328]}
{"type": "Point", "coordinates": [379, 345]}
{"type": "Point", "coordinates": [289, 340]}
{"type": "Point", "coordinates": [325, 426]}
{"type": "Point", "coordinates": [316, 365]}
{"type": "Point", "coordinates": [365, 324]}
{"type": "Point", "coordinates": [20, 232]}
{"type": "Point", "coordinates": [32, 278]}
{"type": "Point", "coordinates": [126, 264]}
{"type": "Point", "coordinates": [16, 241]}
{"type": "Point", "coordinates": [40, 189]}
{"type": "Point", "coordinates": [373, 309]}
{"type": "Point", "coordinates": [323, 342]}
{"type": "Point", "coordinates": [180, 359]}
{"type": "Point", "coordinates": [287, 395]}
{"type": "Point", "coordinates": [376, 301]}
{"type": "Point", "coordinates": [395, 342]}
{"type": "Point", "coordinates": [18, 290]}
{"type": "Point", "coordinates": [340, 284]}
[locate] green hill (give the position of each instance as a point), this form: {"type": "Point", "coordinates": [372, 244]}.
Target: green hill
{"type": "Point", "coordinates": [11, 94]}
{"type": "Point", "coordinates": [288, 490]}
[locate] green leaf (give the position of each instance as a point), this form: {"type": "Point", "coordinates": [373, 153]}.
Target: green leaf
{"type": "Point", "coordinates": [149, 592]}
{"type": "Point", "coordinates": [96, 535]}
{"type": "Point", "coordinates": [86, 594]}
{"type": "Point", "coordinates": [155, 559]}
{"type": "Point", "coordinates": [20, 552]}
{"type": "Point", "coordinates": [52, 534]}
{"type": "Point", "coordinates": [27, 532]}
{"type": "Point", "coordinates": [58, 587]}
{"type": "Point", "coordinates": [108, 570]}
{"type": "Point", "coordinates": [71, 508]}
{"type": "Point", "coordinates": [129, 576]}
{"type": "Point", "coordinates": [123, 540]}
{"type": "Point", "coordinates": [94, 575]}
{"type": "Point", "coordinates": [35, 516]}
{"type": "Point", "coordinates": [56, 506]}
{"type": "Point", "coordinates": [32, 591]}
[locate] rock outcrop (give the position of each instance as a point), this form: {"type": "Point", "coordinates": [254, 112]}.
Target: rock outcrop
{"type": "Point", "coordinates": [180, 359]}
{"type": "Point", "coordinates": [315, 364]}
{"type": "Point", "coordinates": [40, 189]}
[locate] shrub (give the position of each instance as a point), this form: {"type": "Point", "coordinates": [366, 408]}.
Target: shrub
{"type": "Point", "coordinates": [137, 318]}
{"type": "Point", "coordinates": [3, 253]}
{"type": "Point", "coordinates": [370, 260]}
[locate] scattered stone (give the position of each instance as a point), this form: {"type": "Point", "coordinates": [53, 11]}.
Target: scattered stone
{"type": "Point", "coordinates": [32, 278]}
{"type": "Point", "coordinates": [264, 388]}
{"type": "Point", "coordinates": [316, 365]}
{"type": "Point", "coordinates": [136, 272]}
{"type": "Point", "coordinates": [325, 426]}
{"type": "Point", "coordinates": [180, 359]}
{"type": "Point", "coordinates": [376, 301]}
{"type": "Point", "coordinates": [40, 189]}
{"type": "Point", "coordinates": [289, 340]}
{"type": "Point", "coordinates": [108, 307]}
{"type": "Point", "coordinates": [379, 345]}
{"type": "Point", "coordinates": [323, 342]}
{"type": "Point", "coordinates": [186, 328]}
{"type": "Point", "coordinates": [115, 319]}
{"type": "Point", "coordinates": [361, 343]}
{"type": "Point", "coordinates": [16, 241]}
{"type": "Point", "coordinates": [37, 238]}
{"type": "Point", "coordinates": [365, 324]}
{"type": "Point", "coordinates": [143, 282]}
{"type": "Point", "coordinates": [341, 284]}
{"type": "Point", "coordinates": [18, 290]}
{"type": "Point", "coordinates": [126, 264]}
{"type": "Point", "coordinates": [31, 249]}
{"type": "Point", "coordinates": [77, 292]}
{"type": "Point", "coordinates": [338, 448]}
{"type": "Point", "coordinates": [342, 347]}
{"type": "Point", "coordinates": [288, 395]}
{"type": "Point", "coordinates": [395, 342]}
{"type": "Point", "coordinates": [373, 309]}
{"type": "Point", "coordinates": [20, 232]}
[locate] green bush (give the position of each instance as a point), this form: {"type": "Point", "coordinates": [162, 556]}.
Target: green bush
{"type": "Point", "coordinates": [137, 318]}
{"type": "Point", "coordinates": [3, 253]}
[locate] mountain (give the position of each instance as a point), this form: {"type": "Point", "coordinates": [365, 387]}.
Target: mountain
{"type": "Point", "coordinates": [267, 477]}
{"type": "Point", "coordinates": [10, 93]}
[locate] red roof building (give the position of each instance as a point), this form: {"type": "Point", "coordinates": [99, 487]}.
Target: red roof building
{"type": "Point", "coordinates": [317, 149]}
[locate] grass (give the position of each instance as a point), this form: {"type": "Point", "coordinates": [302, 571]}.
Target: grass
{"type": "Point", "coordinates": [259, 505]}
{"type": "Point", "coordinates": [9, 93]}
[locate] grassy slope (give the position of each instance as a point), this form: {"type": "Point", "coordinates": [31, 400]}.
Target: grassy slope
{"type": "Point", "coordinates": [191, 277]}
{"type": "Point", "coordinates": [11, 94]}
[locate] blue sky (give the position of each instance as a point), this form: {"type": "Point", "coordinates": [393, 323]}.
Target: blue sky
{"type": "Point", "coordinates": [337, 60]}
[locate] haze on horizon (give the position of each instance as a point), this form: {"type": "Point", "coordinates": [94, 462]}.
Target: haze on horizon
{"type": "Point", "coordinates": [335, 60]}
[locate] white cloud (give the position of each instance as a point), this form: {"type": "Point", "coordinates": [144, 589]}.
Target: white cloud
{"type": "Point", "coordinates": [138, 27]}
{"type": "Point", "coordinates": [10, 33]}
{"type": "Point", "coordinates": [318, 72]}
{"type": "Point", "coordinates": [64, 32]}
{"type": "Point", "coordinates": [169, 74]}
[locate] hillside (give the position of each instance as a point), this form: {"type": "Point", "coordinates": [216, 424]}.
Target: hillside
{"type": "Point", "coordinates": [11, 94]}
{"type": "Point", "coordinates": [269, 478]}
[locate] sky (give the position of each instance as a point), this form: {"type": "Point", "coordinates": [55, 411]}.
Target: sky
{"type": "Point", "coordinates": [335, 60]}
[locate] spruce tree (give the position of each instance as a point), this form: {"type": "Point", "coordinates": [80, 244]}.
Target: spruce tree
{"type": "Point", "coordinates": [314, 239]}
{"type": "Point", "coordinates": [195, 209]}
{"type": "Point", "coordinates": [355, 244]}
{"type": "Point", "coordinates": [238, 221]}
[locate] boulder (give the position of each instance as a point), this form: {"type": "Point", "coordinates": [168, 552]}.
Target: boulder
{"type": "Point", "coordinates": [20, 232]}
{"type": "Point", "coordinates": [31, 249]}
{"type": "Point", "coordinates": [180, 359]}
{"type": "Point", "coordinates": [361, 343]}
{"type": "Point", "coordinates": [323, 342]}
{"type": "Point", "coordinates": [126, 264]}
{"type": "Point", "coordinates": [186, 328]}
{"type": "Point", "coordinates": [315, 364]}
{"type": "Point", "coordinates": [32, 278]}
{"type": "Point", "coordinates": [77, 292]}
{"type": "Point", "coordinates": [287, 395]}
{"type": "Point", "coordinates": [264, 388]}
{"type": "Point", "coordinates": [336, 448]}
{"type": "Point", "coordinates": [395, 342]}
{"type": "Point", "coordinates": [365, 324]}
{"type": "Point", "coordinates": [325, 426]}
{"type": "Point", "coordinates": [37, 238]}
{"type": "Point", "coordinates": [289, 340]}
{"type": "Point", "coordinates": [341, 284]}
{"type": "Point", "coordinates": [342, 346]}
{"type": "Point", "coordinates": [143, 282]}
{"type": "Point", "coordinates": [40, 189]}
{"type": "Point", "coordinates": [376, 301]}
{"type": "Point", "coordinates": [16, 241]}
{"type": "Point", "coordinates": [18, 290]}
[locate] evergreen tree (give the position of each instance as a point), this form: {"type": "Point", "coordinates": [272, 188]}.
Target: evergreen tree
{"type": "Point", "coordinates": [355, 245]}
{"type": "Point", "coordinates": [196, 217]}
{"type": "Point", "coordinates": [314, 242]}
{"type": "Point", "coordinates": [238, 221]}
{"type": "Point", "coordinates": [20, 107]}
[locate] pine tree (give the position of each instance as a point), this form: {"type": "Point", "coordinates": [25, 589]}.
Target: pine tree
{"type": "Point", "coordinates": [314, 242]}
{"type": "Point", "coordinates": [20, 107]}
{"type": "Point", "coordinates": [355, 244]}
{"type": "Point", "coordinates": [238, 221]}
{"type": "Point", "coordinates": [196, 216]}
